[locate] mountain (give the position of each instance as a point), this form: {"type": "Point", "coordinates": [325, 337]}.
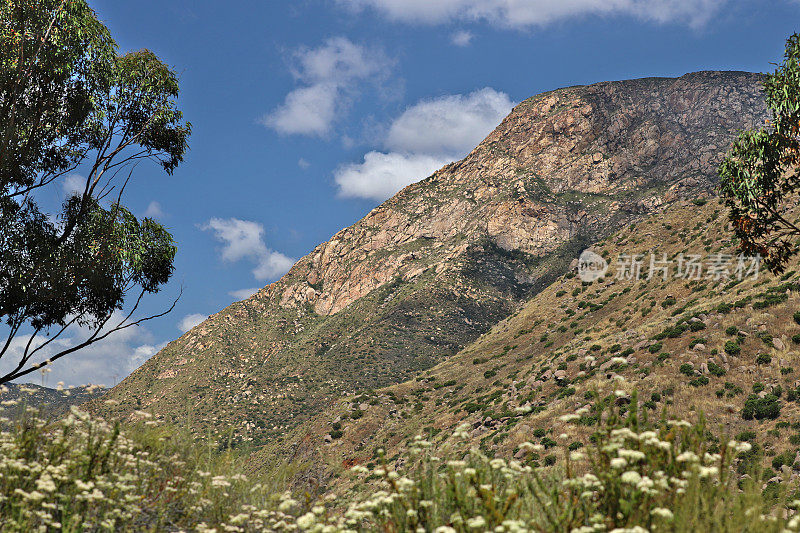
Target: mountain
{"type": "Point", "coordinates": [51, 403]}
{"type": "Point", "coordinates": [725, 349]}
{"type": "Point", "coordinates": [428, 272]}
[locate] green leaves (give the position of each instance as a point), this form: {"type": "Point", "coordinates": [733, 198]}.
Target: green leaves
{"type": "Point", "coordinates": [760, 172]}
{"type": "Point", "coordinates": [55, 58]}
{"type": "Point", "coordinates": [67, 103]}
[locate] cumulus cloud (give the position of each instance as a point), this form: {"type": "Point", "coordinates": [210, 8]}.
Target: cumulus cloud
{"type": "Point", "coordinates": [154, 210]}
{"type": "Point", "coordinates": [422, 139]}
{"type": "Point", "coordinates": [104, 363]}
{"type": "Point", "coordinates": [461, 38]}
{"type": "Point", "coordinates": [526, 13]}
{"type": "Point", "coordinates": [329, 77]}
{"type": "Point", "coordinates": [449, 124]}
{"type": "Point", "coordinates": [243, 294]}
{"type": "Point", "coordinates": [381, 175]}
{"type": "Point", "coordinates": [244, 240]}
{"type": "Point", "coordinates": [190, 321]}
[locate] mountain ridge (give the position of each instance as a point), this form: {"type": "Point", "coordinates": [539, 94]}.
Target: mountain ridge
{"type": "Point", "coordinates": [431, 269]}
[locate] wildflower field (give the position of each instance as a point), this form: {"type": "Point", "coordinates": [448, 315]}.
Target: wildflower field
{"type": "Point", "coordinates": [631, 474]}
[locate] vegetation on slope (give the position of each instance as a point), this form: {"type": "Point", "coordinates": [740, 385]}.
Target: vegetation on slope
{"type": "Point", "coordinates": [726, 349]}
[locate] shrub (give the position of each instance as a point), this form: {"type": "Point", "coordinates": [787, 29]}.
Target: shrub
{"type": "Point", "coordinates": [785, 458]}
{"type": "Point", "coordinates": [732, 348]}
{"type": "Point", "coordinates": [767, 407]}
{"type": "Point", "coordinates": [715, 370]}
{"type": "Point", "coordinates": [697, 326]}
{"type": "Point", "coordinates": [731, 330]}
{"type": "Point", "coordinates": [83, 474]}
{"type": "Point", "coordinates": [763, 359]}
{"type": "Point", "coordinates": [618, 481]}
{"type": "Point", "coordinates": [654, 348]}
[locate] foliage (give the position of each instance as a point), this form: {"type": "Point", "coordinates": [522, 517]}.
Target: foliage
{"type": "Point", "coordinates": [630, 474]}
{"type": "Point", "coordinates": [83, 474]}
{"type": "Point", "coordinates": [69, 104]}
{"type": "Point", "coordinates": [760, 172]}
{"type": "Point", "coordinates": [760, 408]}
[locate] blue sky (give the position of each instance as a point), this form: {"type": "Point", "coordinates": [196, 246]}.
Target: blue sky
{"type": "Point", "coordinates": [309, 113]}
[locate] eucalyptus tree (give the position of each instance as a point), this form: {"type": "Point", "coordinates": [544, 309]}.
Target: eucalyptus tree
{"type": "Point", "coordinates": [70, 106]}
{"type": "Point", "coordinates": [761, 172]}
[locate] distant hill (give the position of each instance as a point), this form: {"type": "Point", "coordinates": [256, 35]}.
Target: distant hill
{"type": "Point", "coordinates": [51, 403]}
{"type": "Point", "coordinates": [427, 273]}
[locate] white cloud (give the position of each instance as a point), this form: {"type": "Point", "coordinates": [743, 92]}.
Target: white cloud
{"type": "Point", "coordinates": [461, 38]}
{"type": "Point", "coordinates": [244, 239]}
{"type": "Point", "coordinates": [190, 321]}
{"type": "Point", "coordinates": [525, 13]}
{"type": "Point", "coordinates": [306, 111]}
{"type": "Point", "coordinates": [422, 139]}
{"type": "Point", "coordinates": [381, 175]}
{"type": "Point", "coordinates": [105, 363]}
{"type": "Point", "coordinates": [329, 76]}
{"type": "Point", "coordinates": [154, 210]}
{"type": "Point", "coordinates": [73, 184]}
{"type": "Point", "coordinates": [243, 294]}
{"type": "Point", "coordinates": [273, 265]}
{"type": "Point", "coordinates": [302, 163]}
{"type": "Point", "coordinates": [449, 124]}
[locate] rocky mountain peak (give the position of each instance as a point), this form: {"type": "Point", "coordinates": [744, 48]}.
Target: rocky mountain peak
{"type": "Point", "coordinates": [594, 149]}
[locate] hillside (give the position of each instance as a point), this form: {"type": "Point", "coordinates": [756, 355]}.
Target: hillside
{"type": "Point", "coordinates": [435, 267]}
{"type": "Point", "coordinates": [726, 350]}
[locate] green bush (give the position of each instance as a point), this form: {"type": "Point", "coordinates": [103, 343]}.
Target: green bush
{"type": "Point", "coordinates": [763, 359]}
{"type": "Point", "coordinates": [785, 458]}
{"type": "Point", "coordinates": [732, 348]}
{"type": "Point", "coordinates": [654, 348]}
{"type": "Point", "coordinates": [697, 326]}
{"type": "Point", "coordinates": [715, 370]}
{"type": "Point", "coordinates": [699, 381]}
{"type": "Point", "coordinates": [757, 408]}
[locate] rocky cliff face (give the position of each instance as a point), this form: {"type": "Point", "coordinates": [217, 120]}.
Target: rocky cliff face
{"type": "Point", "coordinates": [437, 265]}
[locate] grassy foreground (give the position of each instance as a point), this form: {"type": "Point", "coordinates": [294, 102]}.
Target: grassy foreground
{"type": "Point", "coordinates": [628, 474]}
